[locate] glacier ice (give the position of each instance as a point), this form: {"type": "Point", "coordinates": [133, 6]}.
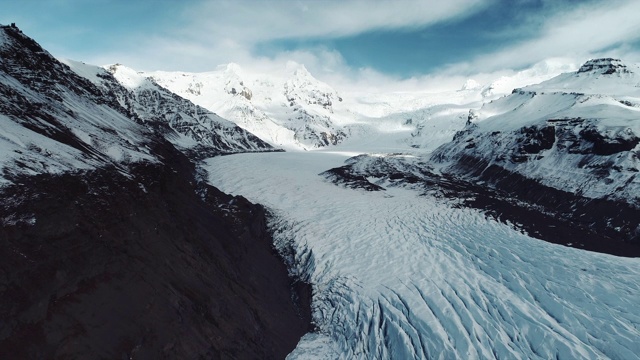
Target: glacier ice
{"type": "Point", "coordinates": [400, 275]}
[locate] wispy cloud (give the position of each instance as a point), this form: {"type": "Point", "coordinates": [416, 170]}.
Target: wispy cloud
{"type": "Point", "coordinates": [577, 32]}
{"type": "Point", "coordinates": [208, 33]}
{"type": "Point", "coordinates": [211, 32]}
{"type": "Point", "coordinates": [254, 21]}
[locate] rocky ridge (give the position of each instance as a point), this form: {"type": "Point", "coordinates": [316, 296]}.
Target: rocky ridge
{"type": "Point", "coordinates": [185, 124]}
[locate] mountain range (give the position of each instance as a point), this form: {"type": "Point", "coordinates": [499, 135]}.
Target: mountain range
{"type": "Point", "coordinates": [127, 233]}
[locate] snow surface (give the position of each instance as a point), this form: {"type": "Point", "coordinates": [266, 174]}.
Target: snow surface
{"type": "Point", "coordinates": [399, 275]}
{"type": "Point", "coordinates": [87, 71]}
{"type": "Point", "coordinates": [21, 145]}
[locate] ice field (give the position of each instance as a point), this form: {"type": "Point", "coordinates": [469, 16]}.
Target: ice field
{"type": "Point", "coordinates": [396, 274]}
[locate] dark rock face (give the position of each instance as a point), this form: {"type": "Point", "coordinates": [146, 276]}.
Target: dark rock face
{"type": "Point", "coordinates": [151, 265]}
{"type": "Point", "coordinates": [605, 66]}
{"type": "Point", "coordinates": [346, 177]}
{"type": "Point", "coordinates": [602, 225]}
{"type": "Point", "coordinates": [537, 139]}
{"type": "Point", "coordinates": [606, 145]}
{"type": "Point", "coordinates": [532, 140]}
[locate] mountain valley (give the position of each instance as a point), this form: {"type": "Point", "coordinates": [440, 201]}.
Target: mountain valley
{"type": "Point", "coordinates": [234, 214]}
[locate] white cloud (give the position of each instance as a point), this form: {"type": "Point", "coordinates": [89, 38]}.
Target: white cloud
{"type": "Point", "coordinates": [214, 32]}
{"type": "Point", "coordinates": [254, 21]}
{"type": "Point", "coordinates": [579, 32]}
{"type": "Point", "coordinates": [217, 32]}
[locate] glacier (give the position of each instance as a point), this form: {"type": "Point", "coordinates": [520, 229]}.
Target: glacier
{"type": "Point", "coordinates": [406, 273]}
{"type": "Point", "coordinates": [401, 274]}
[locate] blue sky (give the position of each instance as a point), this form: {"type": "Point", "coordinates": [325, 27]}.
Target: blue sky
{"type": "Point", "coordinates": [349, 38]}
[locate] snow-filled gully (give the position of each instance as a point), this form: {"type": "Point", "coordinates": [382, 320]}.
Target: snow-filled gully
{"type": "Point", "coordinates": [398, 275]}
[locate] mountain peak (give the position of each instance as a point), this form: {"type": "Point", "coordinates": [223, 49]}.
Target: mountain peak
{"type": "Point", "coordinates": [128, 77]}
{"type": "Point", "coordinates": [302, 72]}
{"type": "Point", "coordinates": [604, 66]}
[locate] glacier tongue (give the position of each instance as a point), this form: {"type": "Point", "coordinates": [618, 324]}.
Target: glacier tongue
{"type": "Point", "coordinates": [398, 275]}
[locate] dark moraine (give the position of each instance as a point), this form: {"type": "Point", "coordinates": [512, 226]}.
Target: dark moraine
{"type": "Point", "coordinates": [602, 225]}
{"type": "Point", "coordinates": [150, 266]}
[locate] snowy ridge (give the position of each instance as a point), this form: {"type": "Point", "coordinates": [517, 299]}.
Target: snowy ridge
{"type": "Point", "coordinates": [63, 117]}
{"type": "Point", "coordinates": [577, 132]}
{"type": "Point", "coordinates": [294, 110]}
{"type": "Point", "coordinates": [193, 126]}
{"type": "Point", "coordinates": [54, 121]}
{"type": "Point", "coordinates": [312, 102]}
{"type": "Point", "coordinates": [538, 73]}
{"type": "Point", "coordinates": [398, 275]}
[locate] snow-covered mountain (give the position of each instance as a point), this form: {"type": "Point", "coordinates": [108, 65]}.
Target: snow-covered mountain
{"type": "Point", "coordinates": [295, 110]}
{"type": "Point", "coordinates": [54, 121]}
{"type": "Point", "coordinates": [583, 123]}
{"type": "Point", "coordinates": [58, 119]}
{"type": "Point", "coordinates": [437, 117]}
{"type": "Point", "coordinates": [577, 133]}
{"type": "Point", "coordinates": [185, 124]}
{"type": "Point", "coordinates": [565, 150]}
{"type": "Point", "coordinates": [538, 73]}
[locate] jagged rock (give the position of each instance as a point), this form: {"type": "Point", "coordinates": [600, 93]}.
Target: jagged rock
{"type": "Point", "coordinates": [155, 104]}
{"type": "Point", "coordinates": [604, 66]}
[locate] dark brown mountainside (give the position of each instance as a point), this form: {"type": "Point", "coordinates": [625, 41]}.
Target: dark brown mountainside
{"type": "Point", "coordinates": [112, 247]}
{"type": "Point", "coordinates": [101, 265]}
